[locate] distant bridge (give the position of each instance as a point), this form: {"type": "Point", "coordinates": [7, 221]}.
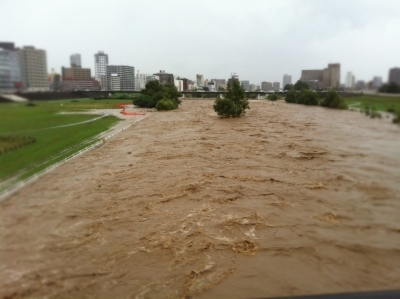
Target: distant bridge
{"type": "Point", "coordinates": [63, 95]}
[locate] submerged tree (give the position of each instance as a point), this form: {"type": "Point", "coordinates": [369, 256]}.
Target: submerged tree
{"type": "Point", "coordinates": [234, 104]}
{"type": "Point", "coordinates": [333, 100]}
{"type": "Point", "coordinates": [156, 92]}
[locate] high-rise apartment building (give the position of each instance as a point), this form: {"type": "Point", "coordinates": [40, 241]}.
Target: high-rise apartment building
{"type": "Point", "coordinates": [331, 76]}
{"type": "Point", "coordinates": [33, 66]}
{"type": "Point", "coordinates": [10, 74]}
{"type": "Point", "coordinates": [246, 85]}
{"type": "Point", "coordinates": [287, 79]}
{"type": "Point", "coordinates": [275, 86]}
{"type": "Point", "coordinates": [394, 75]}
{"type": "Point", "coordinates": [326, 78]}
{"type": "Point", "coordinates": [76, 73]}
{"type": "Point", "coordinates": [100, 68]}
{"type": "Point", "coordinates": [120, 77]}
{"type": "Point", "coordinates": [75, 60]}
{"type": "Point", "coordinates": [200, 80]}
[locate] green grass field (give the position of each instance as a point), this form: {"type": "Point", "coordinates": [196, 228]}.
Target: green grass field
{"type": "Point", "coordinates": [374, 102]}
{"type": "Point", "coordinates": [51, 144]}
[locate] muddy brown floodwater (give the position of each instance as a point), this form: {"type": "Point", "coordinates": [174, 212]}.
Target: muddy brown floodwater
{"type": "Point", "coordinates": [288, 200]}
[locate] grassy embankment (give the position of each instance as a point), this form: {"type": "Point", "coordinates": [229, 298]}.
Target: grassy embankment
{"type": "Point", "coordinates": [50, 145]}
{"type": "Point", "coordinates": [373, 102]}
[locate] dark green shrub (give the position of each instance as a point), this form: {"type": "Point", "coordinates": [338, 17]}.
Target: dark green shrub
{"type": "Point", "coordinates": [291, 96]}
{"type": "Point", "coordinates": [396, 120]}
{"type": "Point", "coordinates": [375, 114]}
{"type": "Point", "coordinates": [300, 85]}
{"type": "Point", "coordinates": [273, 97]}
{"type": "Point", "coordinates": [391, 110]}
{"type": "Point", "coordinates": [154, 93]}
{"type": "Point", "coordinates": [224, 107]}
{"type": "Point", "coordinates": [333, 100]}
{"type": "Point", "coordinates": [122, 96]}
{"type": "Point", "coordinates": [234, 104]}
{"type": "Point", "coordinates": [251, 96]}
{"type": "Point", "coordinates": [307, 97]}
{"type": "Point", "coordinates": [166, 104]}
{"type": "Point", "coordinates": [144, 101]}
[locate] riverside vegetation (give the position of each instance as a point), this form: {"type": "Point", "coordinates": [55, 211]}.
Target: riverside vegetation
{"type": "Point", "coordinates": [159, 96]}
{"type": "Point", "coordinates": [234, 104]}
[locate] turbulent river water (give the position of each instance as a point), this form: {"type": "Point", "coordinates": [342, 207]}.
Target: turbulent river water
{"type": "Point", "coordinates": [288, 200]}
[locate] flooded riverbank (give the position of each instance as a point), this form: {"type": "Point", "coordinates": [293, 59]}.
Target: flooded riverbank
{"type": "Point", "coordinates": [288, 200]}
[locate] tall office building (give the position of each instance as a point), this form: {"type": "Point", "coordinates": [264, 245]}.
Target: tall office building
{"type": "Point", "coordinates": [275, 86]}
{"type": "Point", "coordinates": [33, 65]}
{"type": "Point", "coordinates": [219, 84]}
{"type": "Point", "coordinates": [100, 68]}
{"type": "Point", "coordinates": [287, 79]}
{"type": "Point", "coordinates": [120, 77]}
{"type": "Point", "coordinates": [200, 80]}
{"type": "Point", "coordinates": [165, 78]}
{"type": "Point", "coordinates": [377, 82]}
{"type": "Point", "coordinates": [10, 74]}
{"type": "Point", "coordinates": [394, 75]}
{"type": "Point", "coordinates": [246, 85]}
{"type": "Point", "coordinates": [266, 86]}
{"type": "Point", "coordinates": [75, 60]}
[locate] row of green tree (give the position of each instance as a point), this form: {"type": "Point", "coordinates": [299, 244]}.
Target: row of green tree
{"type": "Point", "coordinates": [159, 96]}
{"type": "Point", "coordinates": [299, 85]}
{"type": "Point", "coordinates": [308, 97]}
{"type": "Point", "coordinates": [390, 88]}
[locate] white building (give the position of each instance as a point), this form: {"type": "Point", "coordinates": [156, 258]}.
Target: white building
{"type": "Point", "coordinates": [179, 84]}
{"type": "Point", "coordinates": [349, 81]}
{"type": "Point", "coordinates": [100, 68]}
{"type": "Point", "coordinates": [115, 82]}
{"type": "Point", "coordinates": [152, 78]}
{"type": "Point", "coordinates": [140, 81]}
{"type": "Point", "coordinates": [211, 86]}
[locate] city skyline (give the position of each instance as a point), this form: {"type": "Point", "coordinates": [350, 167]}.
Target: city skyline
{"type": "Point", "coordinates": [227, 40]}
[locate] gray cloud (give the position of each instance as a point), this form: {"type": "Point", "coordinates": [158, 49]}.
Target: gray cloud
{"type": "Point", "coordinates": [260, 40]}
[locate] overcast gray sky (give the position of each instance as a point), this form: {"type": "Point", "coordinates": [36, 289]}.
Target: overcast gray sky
{"type": "Point", "coordinates": [260, 40]}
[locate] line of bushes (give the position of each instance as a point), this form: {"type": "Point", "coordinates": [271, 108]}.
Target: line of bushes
{"type": "Point", "coordinates": [392, 87]}
{"type": "Point", "coordinates": [9, 143]}
{"type": "Point", "coordinates": [308, 97]}
{"type": "Point", "coordinates": [159, 96]}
